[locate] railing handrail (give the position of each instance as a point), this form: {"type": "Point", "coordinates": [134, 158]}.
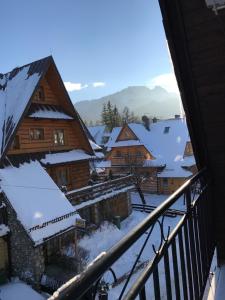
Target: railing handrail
{"type": "Point", "coordinates": [80, 284]}
{"type": "Point", "coordinates": [98, 185]}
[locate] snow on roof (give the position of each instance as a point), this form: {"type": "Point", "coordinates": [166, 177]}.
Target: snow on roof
{"type": "Point", "coordinates": [37, 200]}
{"type": "Point", "coordinates": [97, 132]}
{"type": "Point", "coordinates": [3, 230]}
{"type": "Point", "coordinates": [63, 157]}
{"type": "Point", "coordinates": [94, 146]}
{"type": "Point", "coordinates": [103, 164]}
{"type": "Point", "coordinates": [127, 143]}
{"type": "Point", "coordinates": [16, 89]}
{"type": "Point", "coordinates": [178, 172]}
{"type": "Point", "coordinates": [50, 114]}
{"type": "Point", "coordinates": [99, 155]}
{"type": "Point", "coordinates": [188, 161]}
{"type": "Point", "coordinates": [113, 136]}
{"type": "Point", "coordinates": [154, 163]}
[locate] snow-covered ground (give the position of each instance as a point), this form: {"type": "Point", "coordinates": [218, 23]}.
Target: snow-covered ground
{"type": "Point", "coordinates": [108, 235]}
{"type": "Point", "coordinates": [16, 290]}
{"type": "Point", "coordinates": [155, 200]}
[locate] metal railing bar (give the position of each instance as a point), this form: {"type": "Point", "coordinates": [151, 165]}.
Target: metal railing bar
{"type": "Point", "coordinates": [156, 283]}
{"type": "Point", "coordinates": [182, 264]}
{"type": "Point", "coordinates": [188, 261]}
{"type": "Point", "coordinates": [167, 275]}
{"type": "Point", "coordinates": [175, 270]}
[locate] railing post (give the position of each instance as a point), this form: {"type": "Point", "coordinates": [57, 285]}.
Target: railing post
{"type": "Point", "coordinates": [192, 243]}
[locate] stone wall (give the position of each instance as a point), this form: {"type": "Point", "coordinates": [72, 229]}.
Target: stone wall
{"type": "Point", "coordinates": [27, 261]}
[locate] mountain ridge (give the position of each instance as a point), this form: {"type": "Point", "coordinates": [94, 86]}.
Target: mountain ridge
{"type": "Point", "coordinates": [139, 99]}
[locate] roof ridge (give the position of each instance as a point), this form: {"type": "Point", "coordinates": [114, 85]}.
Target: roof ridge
{"type": "Point", "coordinates": [26, 65]}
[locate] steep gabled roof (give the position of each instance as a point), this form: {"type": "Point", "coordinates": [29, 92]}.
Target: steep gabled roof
{"type": "Point", "coordinates": [16, 90]}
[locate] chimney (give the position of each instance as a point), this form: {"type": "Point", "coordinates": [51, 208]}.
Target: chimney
{"type": "Point", "coordinates": [146, 122]}
{"type": "Point", "coordinates": [177, 116]}
{"type": "Point", "coordinates": [154, 120]}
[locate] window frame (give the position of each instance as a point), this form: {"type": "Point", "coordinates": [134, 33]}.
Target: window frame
{"type": "Point", "coordinates": [34, 138]}
{"type": "Point", "coordinates": [56, 131]}
{"type": "Point", "coordinates": [59, 176]}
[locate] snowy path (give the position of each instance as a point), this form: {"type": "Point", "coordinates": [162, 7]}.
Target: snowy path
{"type": "Point", "coordinates": [16, 290]}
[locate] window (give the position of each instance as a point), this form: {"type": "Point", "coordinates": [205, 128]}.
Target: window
{"type": "Point", "coordinates": [62, 177]}
{"type": "Point", "coordinates": [15, 143]}
{"type": "Point", "coordinates": [139, 153]}
{"type": "Point", "coordinates": [166, 129]}
{"type": "Point", "coordinates": [36, 133]}
{"type": "Point", "coordinates": [39, 95]}
{"type": "Point", "coordinates": [165, 182]}
{"type": "Point", "coordinates": [118, 153]}
{"type": "Point", "coordinates": [59, 137]}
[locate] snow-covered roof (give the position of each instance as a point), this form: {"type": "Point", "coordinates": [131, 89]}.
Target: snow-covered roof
{"type": "Point", "coordinates": [94, 146]}
{"type": "Point", "coordinates": [113, 136]}
{"type": "Point", "coordinates": [103, 164]}
{"type": "Point", "coordinates": [154, 163]}
{"type": "Point", "coordinates": [97, 132]}
{"type": "Point", "coordinates": [64, 157]}
{"type": "Point", "coordinates": [166, 141]}
{"type": "Point", "coordinates": [44, 112]}
{"type": "Point", "coordinates": [188, 161]}
{"type": "Point", "coordinates": [41, 207]}
{"type": "Point", "coordinates": [178, 172]}
{"type": "Point", "coordinates": [16, 89]}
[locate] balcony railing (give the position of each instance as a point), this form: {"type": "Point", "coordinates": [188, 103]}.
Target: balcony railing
{"type": "Point", "coordinates": [92, 192]}
{"type": "Point", "coordinates": [182, 259]}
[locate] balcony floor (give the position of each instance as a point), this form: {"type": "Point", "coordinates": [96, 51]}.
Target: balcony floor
{"type": "Point", "coordinates": [215, 289]}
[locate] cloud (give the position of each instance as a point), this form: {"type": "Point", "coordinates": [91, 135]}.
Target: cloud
{"type": "Point", "coordinates": [98, 84]}
{"type": "Point", "coordinates": [73, 86]}
{"type": "Point", "coordinates": [167, 81]}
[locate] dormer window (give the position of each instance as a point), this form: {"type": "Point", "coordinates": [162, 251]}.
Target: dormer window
{"type": "Point", "coordinates": [39, 96]}
{"type": "Point", "coordinates": [166, 129]}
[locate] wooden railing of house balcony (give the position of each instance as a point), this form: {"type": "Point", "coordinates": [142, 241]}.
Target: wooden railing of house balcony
{"type": "Point", "coordinates": [180, 265]}
{"type": "Point", "coordinates": [98, 190]}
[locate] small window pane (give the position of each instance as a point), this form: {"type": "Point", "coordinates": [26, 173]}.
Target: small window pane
{"type": "Point", "coordinates": [37, 134]}
{"type": "Point", "coordinates": [59, 138]}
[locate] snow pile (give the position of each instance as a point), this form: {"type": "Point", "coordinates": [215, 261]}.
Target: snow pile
{"type": "Point", "coordinates": [37, 200]}
{"type": "Point", "coordinates": [18, 290]}
{"type": "Point", "coordinates": [50, 114]}
{"type": "Point", "coordinates": [63, 157]}
{"type": "Point", "coordinates": [3, 230]}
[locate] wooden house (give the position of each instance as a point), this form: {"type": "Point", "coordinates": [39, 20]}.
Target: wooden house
{"type": "Point", "coordinates": [162, 154]}
{"type": "Point", "coordinates": [44, 148]}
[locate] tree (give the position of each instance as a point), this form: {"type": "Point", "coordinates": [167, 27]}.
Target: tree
{"type": "Point", "coordinates": [126, 115]}
{"type": "Point", "coordinates": [134, 163]}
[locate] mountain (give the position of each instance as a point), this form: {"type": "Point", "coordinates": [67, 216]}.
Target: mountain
{"type": "Point", "coordinates": [140, 99]}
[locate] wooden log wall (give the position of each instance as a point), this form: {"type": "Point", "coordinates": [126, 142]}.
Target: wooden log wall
{"type": "Point", "coordinates": [73, 136]}
{"type": "Point", "coordinates": [78, 174]}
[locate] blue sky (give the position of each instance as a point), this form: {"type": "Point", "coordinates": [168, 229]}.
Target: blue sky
{"type": "Point", "coordinates": [99, 46]}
